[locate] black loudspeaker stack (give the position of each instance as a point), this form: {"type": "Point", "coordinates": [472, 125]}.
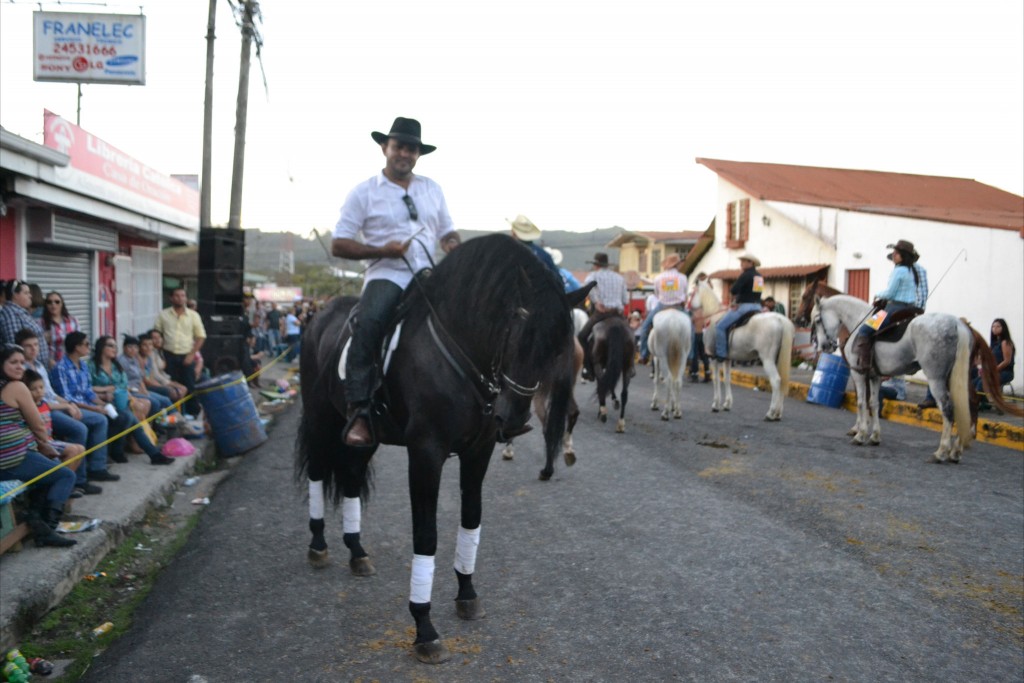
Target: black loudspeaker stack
{"type": "Point", "coordinates": [221, 262]}
{"type": "Point", "coordinates": [225, 342]}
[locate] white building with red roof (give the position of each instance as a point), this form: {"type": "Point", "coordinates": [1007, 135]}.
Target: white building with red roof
{"type": "Point", "coordinates": [803, 222]}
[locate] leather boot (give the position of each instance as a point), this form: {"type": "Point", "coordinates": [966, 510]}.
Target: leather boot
{"type": "Point", "coordinates": [358, 431]}
{"type": "Point", "coordinates": [43, 524]}
{"type": "Point", "coordinates": [861, 353]}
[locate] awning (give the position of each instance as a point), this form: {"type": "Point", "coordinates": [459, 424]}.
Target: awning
{"type": "Point", "coordinates": [776, 273]}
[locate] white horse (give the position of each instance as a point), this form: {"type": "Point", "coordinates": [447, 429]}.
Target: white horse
{"type": "Point", "coordinates": [767, 336]}
{"type": "Point", "coordinates": [938, 344]}
{"type": "Point", "coordinates": [669, 342]}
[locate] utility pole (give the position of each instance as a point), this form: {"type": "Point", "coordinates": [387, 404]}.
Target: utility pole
{"type": "Point", "coordinates": [250, 7]}
{"type": "Point", "coordinates": [206, 188]}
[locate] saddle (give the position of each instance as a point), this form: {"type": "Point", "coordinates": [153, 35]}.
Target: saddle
{"type": "Point", "coordinates": [743, 319]}
{"type": "Point", "coordinates": [899, 322]}
{"type": "Point", "coordinates": [378, 413]}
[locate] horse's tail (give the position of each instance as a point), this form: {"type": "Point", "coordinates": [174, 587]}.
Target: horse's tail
{"type": "Point", "coordinates": [678, 347]}
{"type": "Point", "coordinates": [990, 373]}
{"type": "Point", "coordinates": [615, 346]}
{"type": "Point", "coordinates": [558, 407]}
{"type": "Point", "coordinates": [320, 453]}
{"type": "Point", "coordinates": [958, 388]}
{"type": "Point", "coordinates": [784, 361]}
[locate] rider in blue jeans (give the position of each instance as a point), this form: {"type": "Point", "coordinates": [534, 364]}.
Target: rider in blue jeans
{"type": "Point", "coordinates": [746, 293]}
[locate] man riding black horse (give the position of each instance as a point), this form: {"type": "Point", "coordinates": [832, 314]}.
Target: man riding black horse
{"type": "Point", "coordinates": [401, 217]}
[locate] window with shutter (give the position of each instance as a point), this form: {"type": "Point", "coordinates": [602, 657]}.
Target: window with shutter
{"type": "Point", "coordinates": [737, 216]}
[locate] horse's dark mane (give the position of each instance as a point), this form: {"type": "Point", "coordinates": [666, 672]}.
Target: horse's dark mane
{"type": "Point", "coordinates": [481, 285]}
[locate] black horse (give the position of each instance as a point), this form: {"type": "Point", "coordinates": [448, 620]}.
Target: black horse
{"type": "Point", "coordinates": [478, 335]}
{"type": "Point", "coordinates": [613, 350]}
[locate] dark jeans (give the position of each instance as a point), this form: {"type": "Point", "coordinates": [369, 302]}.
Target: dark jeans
{"type": "Point", "coordinates": [89, 431]}
{"type": "Point", "coordinates": [698, 354]}
{"type": "Point", "coordinates": [183, 374]}
{"type": "Point", "coordinates": [376, 307]}
{"type": "Point", "coordinates": [294, 341]}
{"type": "Point", "coordinates": [58, 483]}
{"type": "Point", "coordinates": [123, 421]}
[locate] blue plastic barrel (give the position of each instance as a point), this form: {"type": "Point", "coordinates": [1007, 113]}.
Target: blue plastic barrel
{"type": "Point", "coordinates": [828, 385]}
{"type": "Point", "coordinates": [231, 413]}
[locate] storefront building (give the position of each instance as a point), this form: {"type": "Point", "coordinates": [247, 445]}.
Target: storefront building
{"type": "Point", "coordinates": [82, 218]}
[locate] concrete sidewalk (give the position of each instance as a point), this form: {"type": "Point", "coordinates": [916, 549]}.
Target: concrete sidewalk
{"type": "Point", "coordinates": [35, 580]}
{"type": "Point", "coordinates": [1000, 430]}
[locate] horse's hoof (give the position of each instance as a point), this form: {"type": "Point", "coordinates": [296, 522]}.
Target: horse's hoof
{"type": "Point", "coordinates": [602, 418]}
{"type": "Point", "coordinates": [433, 652]}
{"type": "Point", "coordinates": [771, 418]}
{"type": "Point", "coordinates": [361, 566]}
{"type": "Point", "coordinates": [544, 475]}
{"type": "Point", "coordinates": [620, 428]}
{"type": "Point", "coordinates": [570, 458]}
{"type": "Point", "coordinates": [875, 441]}
{"type": "Point", "coordinates": [851, 431]}
{"type": "Point", "coordinates": [470, 610]}
{"type": "Point", "coordinates": [664, 417]}
{"type": "Point", "coordinates": [654, 406]}
{"type": "Point", "coordinates": [857, 441]}
{"type": "Point", "coordinates": [505, 455]}
{"type": "Point", "coordinates": [318, 559]}
{"type": "Point", "coordinates": [616, 404]}
{"type": "Point", "coordinates": [935, 460]}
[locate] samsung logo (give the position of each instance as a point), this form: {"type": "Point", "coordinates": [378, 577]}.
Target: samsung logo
{"type": "Point", "coordinates": [123, 60]}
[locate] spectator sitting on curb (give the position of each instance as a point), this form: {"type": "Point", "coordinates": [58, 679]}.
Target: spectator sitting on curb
{"type": "Point", "coordinates": [70, 379]}
{"type": "Point", "coordinates": [70, 423]}
{"type": "Point", "coordinates": [27, 451]}
{"type": "Point", "coordinates": [108, 380]}
{"type": "Point", "coordinates": [134, 369]}
{"type": "Point", "coordinates": [65, 451]}
{"type": "Point", "coordinates": [150, 345]}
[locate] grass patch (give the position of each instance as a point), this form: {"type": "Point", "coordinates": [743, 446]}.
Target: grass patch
{"type": "Point", "coordinates": [130, 572]}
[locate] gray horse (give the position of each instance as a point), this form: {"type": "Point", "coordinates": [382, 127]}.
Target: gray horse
{"type": "Point", "coordinates": [938, 344]}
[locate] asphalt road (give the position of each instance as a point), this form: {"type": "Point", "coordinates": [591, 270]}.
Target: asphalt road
{"type": "Point", "coordinates": [713, 548]}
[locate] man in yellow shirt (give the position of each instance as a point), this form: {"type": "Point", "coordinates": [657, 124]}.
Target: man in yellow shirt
{"type": "Point", "coordinates": [184, 335]}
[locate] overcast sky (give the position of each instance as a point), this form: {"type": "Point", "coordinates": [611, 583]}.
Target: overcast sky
{"type": "Point", "coordinates": [581, 115]}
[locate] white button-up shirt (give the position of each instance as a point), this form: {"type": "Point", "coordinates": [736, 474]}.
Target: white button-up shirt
{"type": "Point", "coordinates": [375, 210]}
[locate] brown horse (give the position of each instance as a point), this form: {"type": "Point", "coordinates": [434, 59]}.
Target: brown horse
{"type": "Point", "coordinates": [613, 350]}
{"type": "Point", "coordinates": [541, 401]}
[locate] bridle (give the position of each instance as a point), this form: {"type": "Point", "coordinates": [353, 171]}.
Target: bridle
{"type": "Point", "coordinates": [830, 344]}
{"type": "Point", "coordinates": [486, 387]}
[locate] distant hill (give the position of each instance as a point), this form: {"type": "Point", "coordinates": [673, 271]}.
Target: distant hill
{"type": "Point", "coordinates": [263, 249]}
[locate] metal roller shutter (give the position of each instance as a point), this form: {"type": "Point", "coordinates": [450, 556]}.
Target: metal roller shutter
{"type": "Point", "coordinates": [70, 274]}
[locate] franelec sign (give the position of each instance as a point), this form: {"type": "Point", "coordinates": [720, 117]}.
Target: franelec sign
{"type": "Point", "coordinates": [89, 48]}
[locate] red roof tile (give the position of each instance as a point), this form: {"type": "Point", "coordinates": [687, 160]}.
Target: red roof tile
{"type": "Point", "coordinates": [776, 273]}
{"type": "Point", "coordinates": [949, 200]}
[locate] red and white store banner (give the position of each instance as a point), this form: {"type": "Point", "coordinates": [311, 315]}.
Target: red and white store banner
{"type": "Point", "coordinates": [100, 170]}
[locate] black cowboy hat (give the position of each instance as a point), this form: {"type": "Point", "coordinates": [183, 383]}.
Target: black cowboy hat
{"type": "Point", "coordinates": [600, 259]}
{"type": "Point", "coordinates": [404, 130]}
{"type": "Point", "coordinates": [909, 253]}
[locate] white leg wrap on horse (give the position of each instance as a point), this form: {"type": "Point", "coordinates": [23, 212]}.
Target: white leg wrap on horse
{"type": "Point", "coordinates": [316, 499]}
{"type": "Point", "coordinates": [351, 515]}
{"type": "Point", "coordinates": [422, 581]}
{"type": "Point", "coordinates": [465, 550]}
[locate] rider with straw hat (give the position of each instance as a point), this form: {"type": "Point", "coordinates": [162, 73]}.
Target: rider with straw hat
{"type": "Point", "coordinates": [746, 292]}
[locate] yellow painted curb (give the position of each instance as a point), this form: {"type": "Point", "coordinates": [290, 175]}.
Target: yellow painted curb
{"type": "Point", "coordinates": [989, 431]}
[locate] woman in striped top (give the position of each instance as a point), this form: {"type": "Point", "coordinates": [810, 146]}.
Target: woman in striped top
{"type": "Point", "coordinates": [24, 447]}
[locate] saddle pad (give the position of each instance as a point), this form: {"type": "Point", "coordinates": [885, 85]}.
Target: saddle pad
{"type": "Point", "coordinates": [392, 344]}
